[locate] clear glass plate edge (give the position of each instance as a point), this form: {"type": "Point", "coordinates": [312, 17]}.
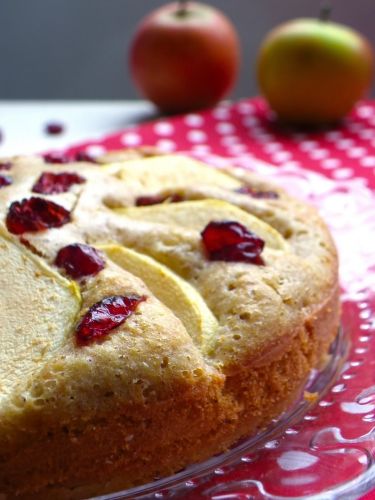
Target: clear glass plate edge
{"type": "Point", "coordinates": [318, 382]}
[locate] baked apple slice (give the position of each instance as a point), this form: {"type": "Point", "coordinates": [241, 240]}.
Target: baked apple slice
{"type": "Point", "coordinates": [177, 294]}
{"type": "Point", "coordinates": [41, 307]}
{"type": "Point", "coordinates": [195, 215]}
{"type": "Point", "coordinates": [173, 172]}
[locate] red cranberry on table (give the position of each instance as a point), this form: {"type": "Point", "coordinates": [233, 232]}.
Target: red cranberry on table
{"type": "Point", "coordinates": [54, 128]}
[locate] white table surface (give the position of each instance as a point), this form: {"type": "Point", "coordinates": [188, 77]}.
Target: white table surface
{"type": "Point", "coordinates": [22, 123]}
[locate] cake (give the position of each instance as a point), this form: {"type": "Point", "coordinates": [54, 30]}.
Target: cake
{"type": "Point", "coordinates": [154, 311]}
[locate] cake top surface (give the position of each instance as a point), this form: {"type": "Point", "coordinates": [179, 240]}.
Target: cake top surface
{"type": "Point", "coordinates": [192, 272]}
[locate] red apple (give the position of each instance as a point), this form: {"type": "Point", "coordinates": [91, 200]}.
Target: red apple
{"type": "Point", "coordinates": [184, 56]}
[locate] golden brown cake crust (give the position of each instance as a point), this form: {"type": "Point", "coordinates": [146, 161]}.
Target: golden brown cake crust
{"type": "Point", "coordinates": [156, 395]}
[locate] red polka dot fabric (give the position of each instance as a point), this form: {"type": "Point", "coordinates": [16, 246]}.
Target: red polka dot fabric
{"type": "Point", "coordinates": [247, 130]}
{"type": "Point", "coordinates": [332, 447]}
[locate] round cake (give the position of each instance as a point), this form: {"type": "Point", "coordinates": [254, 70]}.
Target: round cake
{"type": "Point", "coordinates": [154, 311]}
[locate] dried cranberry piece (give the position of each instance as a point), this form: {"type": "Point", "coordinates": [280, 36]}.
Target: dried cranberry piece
{"type": "Point", "coordinates": [144, 201]}
{"type": "Point", "coordinates": [5, 165]}
{"type": "Point", "coordinates": [54, 128]}
{"type": "Point", "coordinates": [5, 180]}
{"type": "Point", "coordinates": [35, 214]}
{"type": "Point", "coordinates": [79, 260]}
{"type": "Point", "coordinates": [84, 156]}
{"type": "Point", "coordinates": [257, 194]}
{"type": "Point", "coordinates": [56, 157]}
{"type": "Point", "coordinates": [106, 315]}
{"type": "Point", "coordinates": [230, 241]}
{"type": "Point", "coordinates": [50, 183]}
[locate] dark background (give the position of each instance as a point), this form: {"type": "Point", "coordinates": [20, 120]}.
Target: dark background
{"type": "Point", "coordinates": [77, 49]}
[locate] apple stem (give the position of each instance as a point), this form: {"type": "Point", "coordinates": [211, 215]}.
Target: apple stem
{"type": "Point", "coordinates": [182, 7]}
{"type": "Point", "coordinates": [325, 11]}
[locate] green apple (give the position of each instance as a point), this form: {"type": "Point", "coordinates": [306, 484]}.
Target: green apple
{"type": "Point", "coordinates": [312, 71]}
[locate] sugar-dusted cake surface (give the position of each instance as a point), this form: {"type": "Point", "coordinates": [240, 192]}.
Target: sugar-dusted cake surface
{"type": "Point", "coordinates": [211, 349]}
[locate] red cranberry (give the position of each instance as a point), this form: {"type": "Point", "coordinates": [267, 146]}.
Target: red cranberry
{"type": "Point", "coordinates": [257, 194]}
{"type": "Point", "coordinates": [5, 180]}
{"type": "Point", "coordinates": [5, 165]}
{"type": "Point", "coordinates": [106, 315]}
{"type": "Point", "coordinates": [79, 260]}
{"type": "Point", "coordinates": [84, 156]}
{"type": "Point", "coordinates": [143, 201]}
{"type": "Point", "coordinates": [56, 157]}
{"type": "Point", "coordinates": [50, 183]}
{"type": "Point", "coordinates": [35, 214]}
{"type": "Point", "coordinates": [230, 241]}
{"type": "Point", "coordinates": [54, 128]}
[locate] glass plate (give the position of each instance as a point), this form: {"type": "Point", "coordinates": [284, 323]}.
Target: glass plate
{"type": "Point", "coordinates": [326, 451]}
{"type": "Point", "coordinates": [245, 450]}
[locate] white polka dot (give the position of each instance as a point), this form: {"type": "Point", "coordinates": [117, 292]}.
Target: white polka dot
{"type": "Point", "coordinates": [300, 479]}
{"type": "Point", "coordinates": [261, 135]}
{"type": "Point", "coordinates": [271, 116]}
{"type": "Point", "coordinates": [296, 460]}
{"type": "Point", "coordinates": [367, 134]}
{"type": "Point", "coordinates": [221, 113]}
{"type": "Point", "coordinates": [228, 140]}
{"type": "Point", "coordinates": [163, 128]}
{"type": "Point", "coordinates": [363, 459]}
{"type": "Point", "coordinates": [331, 163]}
{"type": "Point", "coordinates": [95, 150]}
{"type": "Point", "coordinates": [225, 128]}
{"type": "Point", "coordinates": [237, 148]}
{"type": "Point", "coordinates": [245, 107]}
{"type": "Point", "coordinates": [333, 135]}
{"type": "Point", "coordinates": [308, 145]}
{"type": "Point", "coordinates": [365, 111]}
{"type": "Point", "coordinates": [281, 156]}
{"type": "Point", "coordinates": [201, 148]}
{"type": "Point", "coordinates": [131, 139]}
{"type": "Point", "coordinates": [319, 154]}
{"type": "Point", "coordinates": [356, 152]}
{"type": "Point", "coordinates": [368, 161]}
{"type": "Point", "coordinates": [272, 147]}
{"type": "Point", "coordinates": [355, 127]}
{"type": "Point", "coordinates": [193, 120]}
{"type": "Point", "coordinates": [344, 143]}
{"type": "Point", "coordinates": [343, 173]}
{"type": "Point", "coordinates": [298, 137]}
{"type": "Point", "coordinates": [356, 408]}
{"type": "Point", "coordinates": [196, 136]}
{"type": "Point", "coordinates": [250, 121]}
{"type": "Point", "coordinates": [166, 145]}
{"type": "Point", "coordinates": [292, 164]}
